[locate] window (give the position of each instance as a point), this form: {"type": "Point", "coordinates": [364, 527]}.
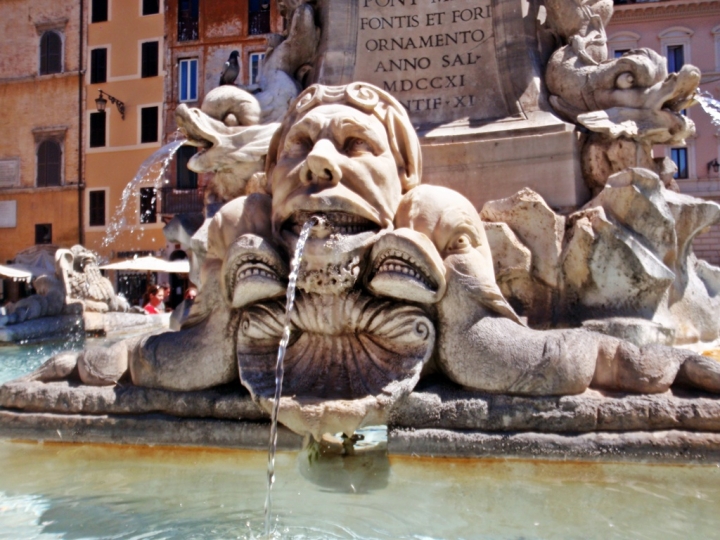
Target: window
{"type": "Point", "coordinates": [188, 80]}
{"type": "Point", "coordinates": [680, 157]}
{"type": "Point", "coordinates": [97, 129]}
{"type": "Point", "coordinates": [50, 53]}
{"type": "Point", "coordinates": [98, 66]}
{"type": "Point", "coordinates": [622, 42]}
{"type": "Point", "coordinates": [149, 124]}
{"type": "Point", "coordinates": [148, 205]}
{"type": "Point", "coordinates": [49, 164]}
{"type": "Point", "coordinates": [256, 60]}
{"type": "Point", "coordinates": [150, 7]}
{"type": "Point", "coordinates": [188, 18]}
{"type": "Point", "coordinates": [675, 58]}
{"type": "Point", "coordinates": [43, 233]}
{"type": "Point", "coordinates": [258, 17]}
{"type": "Point", "coordinates": [150, 52]}
{"type": "Point", "coordinates": [96, 212]}
{"type": "Point", "coordinates": [186, 179]}
{"type": "Point", "coordinates": [99, 11]}
{"type": "Point", "coordinates": [675, 47]}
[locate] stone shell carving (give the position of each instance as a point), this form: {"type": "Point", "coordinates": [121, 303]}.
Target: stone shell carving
{"type": "Point", "coordinates": [341, 348]}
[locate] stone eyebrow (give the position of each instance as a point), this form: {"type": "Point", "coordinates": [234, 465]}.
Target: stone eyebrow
{"type": "Point", "coordinates": [351, 127]}
{"type": "Point", "coordinates": [305, 127]}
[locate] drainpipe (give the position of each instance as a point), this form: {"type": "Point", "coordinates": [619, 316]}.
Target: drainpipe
{"type": "Point", "coordinates": [81, 73]}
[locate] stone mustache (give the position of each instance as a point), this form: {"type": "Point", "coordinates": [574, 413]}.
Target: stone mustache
{"type": "Point", "coordinates": [397, 281]}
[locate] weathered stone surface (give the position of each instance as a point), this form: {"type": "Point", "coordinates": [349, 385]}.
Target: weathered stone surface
{"type": "Point", "coordinates": [67, 398]}
{"type": "Point", "coordinates": [608, 271]}
{"type": "Point", "coordinates": [637, 331]}
{"type": "Point", "coordinates": [442, 406]}
{"type": "Point", "coordinates": [512, 262]}
{"type": "Point", "coordinates": [155, 429]}
{"type": "Point", "coordinates": [536, 225]}
{"type": "Point", "coordinates": [448, 407]}
{"type": "Point", "coordinates": [441, 420]}
{"type": "Point", "coordinates": [673, 446]}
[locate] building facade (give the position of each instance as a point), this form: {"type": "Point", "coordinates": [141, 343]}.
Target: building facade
{"type": "Point", "coordinates": [124, 73]}
{"type": "Point", "coordinates": [201, 35]}
{"type": "Point", "coordinates": [684, 31]}
{"type": "Point", "coordinates": [41, 97]}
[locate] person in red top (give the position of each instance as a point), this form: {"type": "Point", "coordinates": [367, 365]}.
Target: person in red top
{"type": "Point", "coordinates": [156, 296]}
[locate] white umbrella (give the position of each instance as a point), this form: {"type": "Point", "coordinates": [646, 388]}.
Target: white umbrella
{"type": "Point", "coordinates": [150, 264]}
{"type": "Point", "coordinates": [14, 273]}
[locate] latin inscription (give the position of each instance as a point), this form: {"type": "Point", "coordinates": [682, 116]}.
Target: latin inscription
{"type": "Point", "coordinates": [437, 57]}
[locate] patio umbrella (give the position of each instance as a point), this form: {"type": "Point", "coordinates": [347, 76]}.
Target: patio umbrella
{"type": "Point", "coordinates": [150, 264]}
{"type": "Point", "coordinates": [15, 274]}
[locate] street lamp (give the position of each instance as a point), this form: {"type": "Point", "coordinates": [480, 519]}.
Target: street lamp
{"type": "Point", "coordinates": [101, 103]}
{"type": "Point", "coordinates": [714, 165]}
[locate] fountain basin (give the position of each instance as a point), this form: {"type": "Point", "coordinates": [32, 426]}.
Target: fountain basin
{"type": "Point", "coordinates": [102, 491]}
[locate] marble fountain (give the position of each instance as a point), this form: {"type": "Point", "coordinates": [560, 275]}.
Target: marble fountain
{"type": "Point", "coordinates": [496, 267]}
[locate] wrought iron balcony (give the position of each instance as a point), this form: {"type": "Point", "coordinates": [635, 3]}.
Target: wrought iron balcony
{"type": "Point", "coordinates": [187, 29]}
{"type": "Point", "coordinates": [181, 201]}
{"type": "Point", "coordinates": [259, 22]}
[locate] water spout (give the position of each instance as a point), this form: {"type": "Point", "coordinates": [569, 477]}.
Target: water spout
{"type": "Point", "coordinates": [279, 369]}
{"type": "Point", "coordinates": [150, 173]}
{"type": "Point", "coordinates": [710, 105]}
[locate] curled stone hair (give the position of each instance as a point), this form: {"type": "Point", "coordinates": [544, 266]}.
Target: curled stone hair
{"type": "Point", "coordinates": [371, 100]}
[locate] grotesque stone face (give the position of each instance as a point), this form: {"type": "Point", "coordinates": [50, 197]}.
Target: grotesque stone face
{"type": "Point", "coordinates": [350, 352]}
{"type": "Point", "coordinates": [336, 162]}
{"type": "Point", "coordinates": [336, 159]}
{"type": "Point", "coordinates": [453, 225]}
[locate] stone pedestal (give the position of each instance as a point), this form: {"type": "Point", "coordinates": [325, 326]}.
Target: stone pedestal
{"type": "Point", "coordinates": [469, 74]}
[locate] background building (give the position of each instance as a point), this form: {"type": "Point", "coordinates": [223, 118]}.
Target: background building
{"type": "Point", "coordinates": [41, 91]}
{"type": "Point", "coordinates": [124, 66]}
{"type": "Point", "coordinates": [684, 31]}
{"type": "Point", "coordinates": [201, 34]}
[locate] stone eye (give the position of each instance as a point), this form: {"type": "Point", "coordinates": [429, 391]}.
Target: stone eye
{"type": "Point", "coordinates": [354, 146]}
{"type": "Point", "coordinates": [460, 243]}
{"type": "Point", "coordinates": [297, 145]}
{"type": "Point", "coordinates": [625, 80]}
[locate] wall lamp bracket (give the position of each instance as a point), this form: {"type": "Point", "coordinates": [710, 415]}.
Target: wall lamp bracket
{"type": "Point", "coordinates": [101, 103]}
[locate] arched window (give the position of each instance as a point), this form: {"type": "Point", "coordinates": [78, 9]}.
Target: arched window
{"type": "Point", "coordinates": [50, 53]}
{"type": "Point", "coordinates": [49, 164]}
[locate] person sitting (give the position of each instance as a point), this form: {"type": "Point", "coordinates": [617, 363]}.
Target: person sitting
{"type": "Point", "coordinates": [156, 295]}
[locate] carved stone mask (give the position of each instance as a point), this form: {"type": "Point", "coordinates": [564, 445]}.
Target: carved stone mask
{"type": "Point", "coordinates": [348, 154]}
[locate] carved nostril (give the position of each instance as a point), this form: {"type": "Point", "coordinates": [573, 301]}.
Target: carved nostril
{"type": "Point", "coordinates": [328, 174]}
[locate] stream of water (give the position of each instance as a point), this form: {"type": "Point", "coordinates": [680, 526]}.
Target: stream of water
{"type": "Point", "coordinates": [710, 105]}
{"type": "Point", "coordinates": [150, 174]}
{"type": "Point", "coordinates": [279, 369]}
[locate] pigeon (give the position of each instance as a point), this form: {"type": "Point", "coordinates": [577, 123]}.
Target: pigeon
{"type": "Point", "coordinates": [231, 69]}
